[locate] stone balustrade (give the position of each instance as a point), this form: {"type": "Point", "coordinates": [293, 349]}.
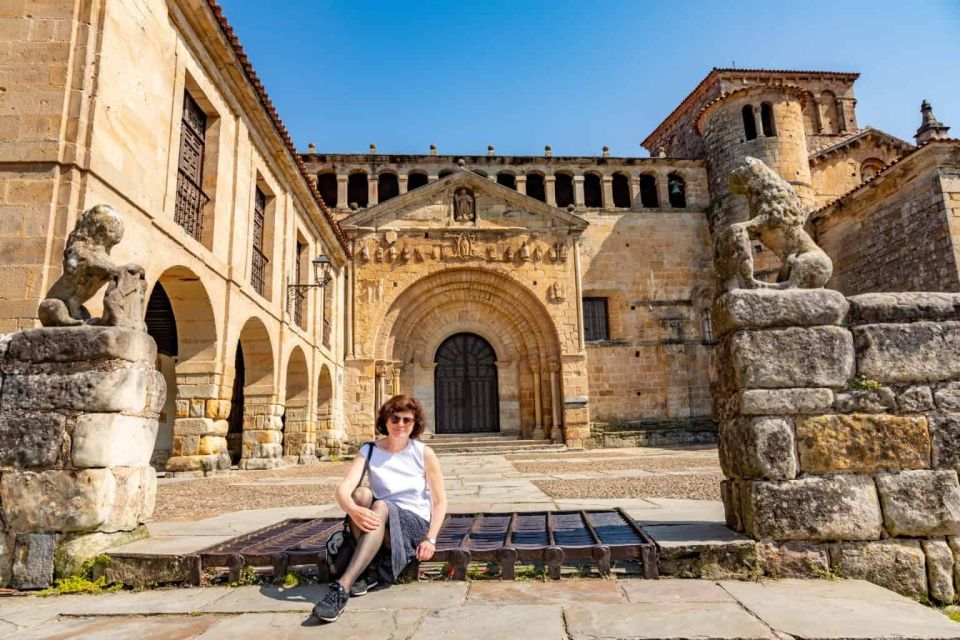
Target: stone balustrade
{"type": "Point", "coordinates": [840, 433]}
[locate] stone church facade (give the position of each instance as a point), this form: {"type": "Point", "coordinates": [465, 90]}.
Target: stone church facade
{"type": "Point", "coordinates": [546, 297]}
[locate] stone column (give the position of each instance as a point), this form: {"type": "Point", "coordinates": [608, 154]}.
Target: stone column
{"type": "Point", "coordinates": [607, 192]}
{"type": "Point", "coordinates": [758, 122]}
{"type": "Point", "coordinates": [537, 401]}
{"type": "Point", "coordinates": [262, 433]}
{"type": "Point", "coordinates": [200, 428]}
{"type": "Point", "coordinates": [299, 436]}
{"type": "Point", "coordinates": [634, 190]}
{"type": "Point", "coordinates": [402, 181]}
{"type": "Point", "coordinates": [578, 198]}
{"type": "Point", "coordinates": [432, 177]}
{"type": "Point", "coordinates": [395, 382]}
{"type": "Point", "coordinates": [663, 190]}
{"type": "Point", "coordinates": [555, 398]}
{"type": "Point", "coordinates": [78, 421]}
{"type": "Point", "coordinates": [343, 181]}
{"type": "Point", "coordinates": [550, 187]}
{"type": "Point", "coordinates": [373, 185]}
{"type": "Point", "coordinates": [522, 184]}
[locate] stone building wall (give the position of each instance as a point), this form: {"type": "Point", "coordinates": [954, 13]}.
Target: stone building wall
{"type": "Point", "coordinates": [835, 171]}
{"type": "Point", "coordinates": [86, 127]}
{"type": "Point", "coordinates": [898, 231]}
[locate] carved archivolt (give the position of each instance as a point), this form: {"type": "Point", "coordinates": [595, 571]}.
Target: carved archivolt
{"type": "Point", "coordinates": [465, 246]}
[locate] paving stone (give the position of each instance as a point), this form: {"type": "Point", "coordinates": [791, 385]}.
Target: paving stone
{"type": "Point", "coordinates": [507, 592]}
{"type": "Point", "coordinates": [151, 602]}
{"type": "Point", "coordinates": [115, 627]}
{"type": "Point", "coordinates": [839, 609]}
{"type": "Point", "coordinates": [302, 598]}
{"type": "Point", "coordinates": [715, 620]}
{"type": "Point", "coordinates": [666, 591]}
{"type": "Point", "coordinates": [368, 625]}
{"type": "Point", "coordinates": [484, 623]}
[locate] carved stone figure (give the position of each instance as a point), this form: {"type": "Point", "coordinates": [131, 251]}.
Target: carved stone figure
{"type": "Point", "coordinates": [417, 254]}
{"type": "Point", "coordinates": [508, 254]}
{"type": "Point", "coordinates": [463, 206]}
{"type": "Point", "coordinates": [491, 252]}
{"type": "Point", "coordinates": [777, 222]}
{"type": "Point", "coordinates": [86, 268]}
{"type": "Point", "coordinates": [405, 254]}
{"type": "Point", "coordinates": [364, 253]}
{"type": "Point", "coordinates": [392, 252]}
{"type": "Point", "coordinates": [524, 252]}
{"type": "Point", "coordinates": [557, 293]}
{"type": "Point", "coordinates": [378, 254]}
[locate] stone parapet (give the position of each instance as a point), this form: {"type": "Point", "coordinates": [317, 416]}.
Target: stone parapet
{"type": "Point", "coordinates": [78, 421]}
{"type": "Point", "coordinates": [840, 433]}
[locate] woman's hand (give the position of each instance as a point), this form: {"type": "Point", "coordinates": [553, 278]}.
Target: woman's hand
{"type": "Point", "coordinates": [365, 518]}
{"type": "Point", "coordinates": [425, 551]}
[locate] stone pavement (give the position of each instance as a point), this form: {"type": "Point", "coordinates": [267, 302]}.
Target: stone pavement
{"type": "Point", "coordinates": [571, 609]}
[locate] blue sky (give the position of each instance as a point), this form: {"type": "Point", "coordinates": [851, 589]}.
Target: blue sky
{"type": "Point", "coordinates": [574, 75]}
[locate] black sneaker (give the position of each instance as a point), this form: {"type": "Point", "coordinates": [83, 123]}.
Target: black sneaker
{"type": "Point", "coordinates": [366, 582]}
{"type": "Point", "coordinates": [331, 603]}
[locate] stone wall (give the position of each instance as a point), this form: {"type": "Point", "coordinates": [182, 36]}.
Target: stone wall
{"type": "Point", "coordinates": [840, 433]}
{"type": "Point", "coordinates": [78, 420]}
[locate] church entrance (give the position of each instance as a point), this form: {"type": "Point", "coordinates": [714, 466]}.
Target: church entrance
{"type": "Point", "coordinates": [466, 386]}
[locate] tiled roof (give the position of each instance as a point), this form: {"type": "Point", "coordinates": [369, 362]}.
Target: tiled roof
{"type": "Point", "coordinates": [820, 144]}
{"type": "Point", "coordinates": [786, 88]}
{"type": "Point", "coordinates": [819, 213]}
{"type": "Point", "coordinates": [281, 129]}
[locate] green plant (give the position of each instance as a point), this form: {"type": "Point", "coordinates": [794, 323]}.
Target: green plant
{"type": "Point", "coordinates": [528, 572]}
{"type": "Point", "coordinates": [291, 579]}
{"type": "Point", "coordinates": [247, 577]}
{"type": "Point", "coordinates": [82, 581]}
{"type": "Point", "coordinates": [860, 382]}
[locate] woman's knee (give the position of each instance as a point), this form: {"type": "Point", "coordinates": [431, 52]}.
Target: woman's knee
{"type": "Point", "coordinates": [363, 496]}
{"type": "Point", "coordinates": [380, 508]}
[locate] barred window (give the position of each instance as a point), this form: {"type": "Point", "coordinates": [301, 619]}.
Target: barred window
{"type": "Point", "coordinates": [259, 266]}
{"type": "Point", "coordinates": [596, 324]}
{"type": "Point", "coordinates": [300, 299]}
{"type": "Point", "coordinates": [188, 210]}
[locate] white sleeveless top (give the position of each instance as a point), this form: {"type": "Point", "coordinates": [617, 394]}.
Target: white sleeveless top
{"type": "Point", "coordinates": [400, 478]}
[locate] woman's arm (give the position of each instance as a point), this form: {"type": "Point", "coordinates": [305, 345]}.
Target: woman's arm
{"type": "Point", "coordinates": [438, 502]}
{"type": "Point", "coordinates": [364, 518]}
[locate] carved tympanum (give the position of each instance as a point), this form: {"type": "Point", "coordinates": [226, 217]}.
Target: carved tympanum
{"type": "Point", "coordinates": [86, 268]}
{"type": "Point", "coordinates": [777, 219]}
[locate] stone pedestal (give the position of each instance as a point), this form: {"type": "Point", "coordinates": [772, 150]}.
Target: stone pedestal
{"type": "Point", "coordinates": [78, 422]}
{"type": "Point", "coordinates": [840, 432]}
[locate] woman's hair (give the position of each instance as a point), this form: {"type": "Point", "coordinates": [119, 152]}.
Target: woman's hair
{"type": "Point", "coordinates": [397, 404]}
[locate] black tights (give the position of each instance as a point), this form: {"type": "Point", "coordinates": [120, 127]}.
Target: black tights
{"type": "Point", "coordinates": [368, 543]}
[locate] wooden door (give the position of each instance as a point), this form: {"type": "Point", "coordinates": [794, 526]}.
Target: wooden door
{"type": "Point", "coordinates": [466, 386]}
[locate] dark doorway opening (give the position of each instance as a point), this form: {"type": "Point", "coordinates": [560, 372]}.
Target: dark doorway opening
{"type": "Point", "coordinates": [235, 429]}
{"type": "Point", "coordinates": [465, 385]}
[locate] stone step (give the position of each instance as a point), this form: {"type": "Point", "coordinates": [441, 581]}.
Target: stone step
{"type": "Point", "coordinates": [485, 444]}
{"type": "Point", "coordinates": [515, 446]}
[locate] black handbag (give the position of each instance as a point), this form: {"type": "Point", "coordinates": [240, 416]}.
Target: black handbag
{"type": "Point", "coordinates": [342, 544]}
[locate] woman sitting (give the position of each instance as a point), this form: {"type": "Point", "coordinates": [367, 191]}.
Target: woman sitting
{"type": "Point", "coordinates": [402, 511]}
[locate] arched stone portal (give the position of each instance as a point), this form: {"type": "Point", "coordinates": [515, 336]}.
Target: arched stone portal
{"type": "Point", "coordinates": [501, 311]}
{"type": "Point", "coordinates": [262, 423]}
{"type": "Point", "coordinates": [465, 386]}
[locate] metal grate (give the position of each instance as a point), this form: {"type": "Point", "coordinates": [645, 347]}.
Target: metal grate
{"type": "Point", "coordinates": [550, 538]}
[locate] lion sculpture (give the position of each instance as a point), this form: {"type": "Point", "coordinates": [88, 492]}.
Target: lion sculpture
{"type": "Point", "coordinates": [86, 268]}
{"type": "Point", "coordinates": [777, 220]}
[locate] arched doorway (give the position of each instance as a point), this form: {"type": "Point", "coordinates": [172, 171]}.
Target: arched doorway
{"type": "Point", "coordinates": [466, 386]}
{"type": "Point", "coordinates": [260, 415]}
{"type": "Point", "coordinates": [162, 327]}
{"type": "Point", "coordinates": [298, 427]}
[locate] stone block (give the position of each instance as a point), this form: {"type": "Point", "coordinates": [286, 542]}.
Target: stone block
{"type": "Point", "coordinates": [898, 565]}
{"type": "Point", "coordinates": [920, 503]}
{"type": "Point", "coordinates": [862, 442]}
{"type": "Point", "coordinates": [200, 465]}
{"type": "Point", "coordinates": [156, 393]}
{"type": "Point", "coordinates": [212, 445]}
{"type": "Point", "coordinates": [220, 428]}
{"type": "Point", "coordinates": [57, 500]}
{"type": "Point", "coordinates": [945, 434]}
{"type": "Point", "coordinates": [908, 353]}
{"type": "Point", "coordinates": [876, 308]}
{"type": "Point", "coordinates": [866, 401]}
{"type": "Point", "coordinates": [186, 445]}
{"type": "Point", "coordinates": [6, 557]}
{"type": "Point", "coordinates": [135, 488]}
{"type": "Point", "coordinates": [787, 358]}
{"type": "Point", "coordinates": [948, 397]}
{"type": "Point", "coordinates": [193, 426]}
{"type": "Point", "coordinates": [30, 439]}
{"type": "Point", "coordinates": [758, 448]}
{"type": "Point", "coordinates": [33, 561]}
{"type": "Point", "coordinates": [217, 409]}
{"type": "Point", "coordinates": [118, 390]}
{"type": "Point", "coordinates": [793, 559]}
{"type": "Point", "coordinates": [766, 308]}
{"type": "Point", "coordinates": [939, 570]}
{"type": "Point", "coordinates": [268, 436]}
{"type": "Point", "coordinates": [915, 399]}
{"type": "Point", "coordinates": [260, 464]}
{"type": "Point", "coordinates": [76, 549]}
{"type": "Point", "coordinates": [112, 439]}
{"type": "Point", "coordinates": [766, 402]}
{"type": "Point", "coordinates": [732, 509]}
{"type": "Point", "coordinates": [841, 507]}
{"type": "Point", "coordinates": [85, 344]}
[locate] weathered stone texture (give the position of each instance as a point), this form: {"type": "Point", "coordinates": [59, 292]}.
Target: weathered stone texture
{"type": "Point", "coordinates": [805, 357]}
{"type": "Point", "coordinates": [877, 308]}
{"type": "Point", "coordinates": [767, 308]}
{"type": "Point", "coordinates": [945, 433]}
{"type": "Point", "coordinates": [758, 448]}
{"type": "Point", "coordinates": [74, 550]}
{"type": "Point", "coordinates": [915, 399]}
{"type": "Point", "coordinates": [862, 442]}
{"type": "Point", "coordinates": [866, 401]}
{"type": "Point", "coordinates": [86, 344]}
{"type": "Point", "coordinates": [793, 559]}
{"type": "Point", "coordinates": [119, 390]}
{"type": "Point", "coordinates": [759, 402]}
{"type": "Point", "coordinates": [110, 439]}
{"type": "Point", "coordinates": [30, 439]}
{"type": "Point", "coordinates": [898, 565]}
{"type": "Point", "coordinates": [57, 500]}
{"type": "Point", "coordinates": [33, 561]}
{"type": "Point", "coordinates": [920, 503]}
{"type": "Point", "coordinates": [908, 353]}
{"type": "Point", "coordinates": [841, 507]}
{"type": "Point", "coordinates": [948, 397]}
{"type": "Point", "coordinates": [939, 570]}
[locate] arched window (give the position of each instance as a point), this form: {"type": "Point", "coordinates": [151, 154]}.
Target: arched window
{"type": "Point", "coordinates": [766, 120]}
{"type": "Point", "coordinates": [677, 190]}
{"type": "Point", "coordinates": [749, 124]}
{"type": "Point", "coordinates": [592, 195]}
{"type": "Point", "coordinates": [563, 186]}
{"type": "Point", "coordinates": [327, 186]}
{"type": "Point", "coordinates": [357, 189]}
{"type": "Point", "coordinates": [507, 180]}
{"type": "Point", "coordinates": [621, 191]}
{"type": "Point", "coordinates": [829, 114]}
{"type": "Point", "coordinates": [535, 188]}
{"type": "Point", "coordinates": [444, 173]}
{"type": "Point", "coordinates": [648, 191]}
{"type": "Point", "coordinates": [387, 186]}
{"type": "Point", "coordinates": [870, 168]}
{"type": "Point", "coordinates": [416, 180]}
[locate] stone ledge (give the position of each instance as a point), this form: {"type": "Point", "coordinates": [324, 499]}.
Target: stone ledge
{"type": "Point", "coordinates": [768, 308]}
{"type": "Point", "coordinates": [874, 308]}
{"type": "Point", "coordinates": [81, 344]}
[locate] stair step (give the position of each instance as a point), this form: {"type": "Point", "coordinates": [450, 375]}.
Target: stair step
{"type": "Point", "coordinates": [480, 444]}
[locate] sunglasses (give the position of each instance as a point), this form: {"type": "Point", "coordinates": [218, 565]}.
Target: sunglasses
{"type": "Point", "coordinates": [401, 419]}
